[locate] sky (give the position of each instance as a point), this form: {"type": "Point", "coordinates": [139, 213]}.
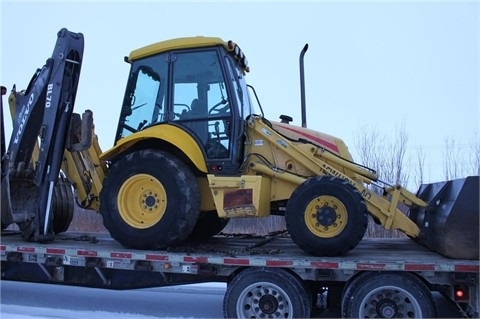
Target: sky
{"type": "Point", "coordinates": [379, 65]}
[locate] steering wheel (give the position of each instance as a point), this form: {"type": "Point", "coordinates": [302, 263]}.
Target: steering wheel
{"type": "Point", "coordinates": [220, 107]}
{"type": "Point", "coordinates": [129, 128]}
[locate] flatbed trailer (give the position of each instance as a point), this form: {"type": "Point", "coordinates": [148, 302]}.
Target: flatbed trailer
{"type": "Point", "coordinates": [264, 275]}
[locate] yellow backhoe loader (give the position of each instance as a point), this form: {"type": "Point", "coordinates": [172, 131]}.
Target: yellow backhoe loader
{"type": "Point", "coordinates": [191, 152]}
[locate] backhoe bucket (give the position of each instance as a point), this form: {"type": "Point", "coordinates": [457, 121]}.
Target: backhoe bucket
{"type": "Point", "coordinates": [450, 223]}
{"type": "Point", "coordinates": [6, 204]}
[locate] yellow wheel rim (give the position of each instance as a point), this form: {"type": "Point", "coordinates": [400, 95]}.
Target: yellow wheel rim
{"type": "Point", "coordinates": [326, 216]}
{"type": "Point", "coordinates": [142, 201]}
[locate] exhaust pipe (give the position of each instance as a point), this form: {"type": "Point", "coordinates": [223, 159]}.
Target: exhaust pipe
{"type": "Point", "coordinates": [449, 224]}
{"type": "Point", "coordinates": [302, 86]}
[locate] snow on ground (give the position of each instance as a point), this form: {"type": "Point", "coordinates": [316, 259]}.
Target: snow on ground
{"type": "Point", "coordinates": [22, 300]}
{"type": "Point", "coordinates": [24, 312]}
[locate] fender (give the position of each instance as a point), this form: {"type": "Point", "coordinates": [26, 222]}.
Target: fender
{"type": "Point", "coordinates": [166, 132]}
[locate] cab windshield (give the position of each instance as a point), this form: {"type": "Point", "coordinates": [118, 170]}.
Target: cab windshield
{"type": "Point", "coordinates": [240, 87]}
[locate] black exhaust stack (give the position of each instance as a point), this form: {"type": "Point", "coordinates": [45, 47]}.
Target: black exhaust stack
{"type": "Point", "coordinates": [302, 86]}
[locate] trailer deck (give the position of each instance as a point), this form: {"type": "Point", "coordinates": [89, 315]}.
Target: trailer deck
{"type": "Point", "coordinates": [397, 254]}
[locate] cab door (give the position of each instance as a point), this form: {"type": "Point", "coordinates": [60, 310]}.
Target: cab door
{"type": "Point", "coordinates": [202, 103]}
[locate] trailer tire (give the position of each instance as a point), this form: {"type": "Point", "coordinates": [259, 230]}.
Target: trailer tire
{"type": "Point", "coordinates": [326, 216]}
{"type": "Point", "coordinates": [267, 293]}
{"type": "Point", "coordinates": [148, 200]}
{"type": "Point", "coordinates": [208, 225]}
{"type": "Point", "coordinates": [387, 295]}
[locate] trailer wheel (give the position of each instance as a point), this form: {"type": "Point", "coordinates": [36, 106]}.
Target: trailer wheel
{"type": "Point", "coordinates": [387, 295]}
{"type": "Point", "coordinates": [266, 293]}
{"type": "Point", "coordinates": [208, 225]}
{"type": "Point", "coordinates": [148, 200]}
{"type": "Point", "coordinates": [326, 216]}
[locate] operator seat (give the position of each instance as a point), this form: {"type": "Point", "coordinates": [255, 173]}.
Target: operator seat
{"type": "Point", "coordinates": [197, 120]}
{"type": "Point", "coordinates": [196, 109]}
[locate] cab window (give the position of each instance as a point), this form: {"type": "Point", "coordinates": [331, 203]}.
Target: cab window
{"type": "Point", "coordinates": [201, 101]}
{"type": "Point", "coordinates": [144, 101]}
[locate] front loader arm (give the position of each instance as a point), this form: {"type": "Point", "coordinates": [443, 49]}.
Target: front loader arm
{"type": "Point", "coordinates": [300, 161]}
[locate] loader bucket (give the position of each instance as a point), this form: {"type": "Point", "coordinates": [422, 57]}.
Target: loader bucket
{"type": "Point", "coordinates": [449, 224]}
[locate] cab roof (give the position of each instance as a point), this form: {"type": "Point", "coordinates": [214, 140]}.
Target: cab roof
{"type": "Point", "coordinates": [175, 44]}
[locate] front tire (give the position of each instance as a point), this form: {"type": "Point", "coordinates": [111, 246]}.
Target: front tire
{"type": "Point", "coordinates": [266, 293]}
{"type": "Point", "coordinates": [326, 216]}
{"type": "Point", "coordinates": [148, 200]}
{"type": "Point", "coordinates": [387, 295]}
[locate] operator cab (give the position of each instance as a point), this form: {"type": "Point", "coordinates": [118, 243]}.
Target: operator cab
{"type": "Point", "coordinates": [199, 87]}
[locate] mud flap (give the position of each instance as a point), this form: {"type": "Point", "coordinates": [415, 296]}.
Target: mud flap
{"type": "Point", "coordinates": [450, 223]}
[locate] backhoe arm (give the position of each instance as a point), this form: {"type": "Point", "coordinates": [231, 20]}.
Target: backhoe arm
{"type": "Point", "coordinates": [42, 115]}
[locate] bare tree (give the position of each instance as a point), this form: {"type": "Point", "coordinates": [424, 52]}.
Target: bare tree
{"type": "Point", "coordinates": [368, 142]}
{"type": "Point", "coordinates": [384, 156]}
{"type": "Point", "coordinates": [475, 147]}
{"type": "Point", "coordinates": [453, 159]}
{"type": "Point", "coordinates": [397, 156]}
{"type": "Point", "coordinates": [419, 169]}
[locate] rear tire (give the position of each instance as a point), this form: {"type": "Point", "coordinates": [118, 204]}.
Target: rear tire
{"type": "Point", "coordinates": [266, 293]}
{"type": "Point", "coordinates": [208, 225]}
{"type": "Point", "coordinates": [63, 205]}
{"type": "Point", "coordinates": [387, 295]}
{"type": "Point", "coordinates": [148, 200]}
{"type": "Point", "coordinates": [326, 216]}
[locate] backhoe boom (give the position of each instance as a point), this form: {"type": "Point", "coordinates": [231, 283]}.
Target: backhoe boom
{"type": "Point", "coordinates": [42, 115]}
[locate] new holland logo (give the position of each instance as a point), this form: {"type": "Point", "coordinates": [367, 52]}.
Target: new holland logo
{"type": "Point", "coordinates": [282, 143]}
